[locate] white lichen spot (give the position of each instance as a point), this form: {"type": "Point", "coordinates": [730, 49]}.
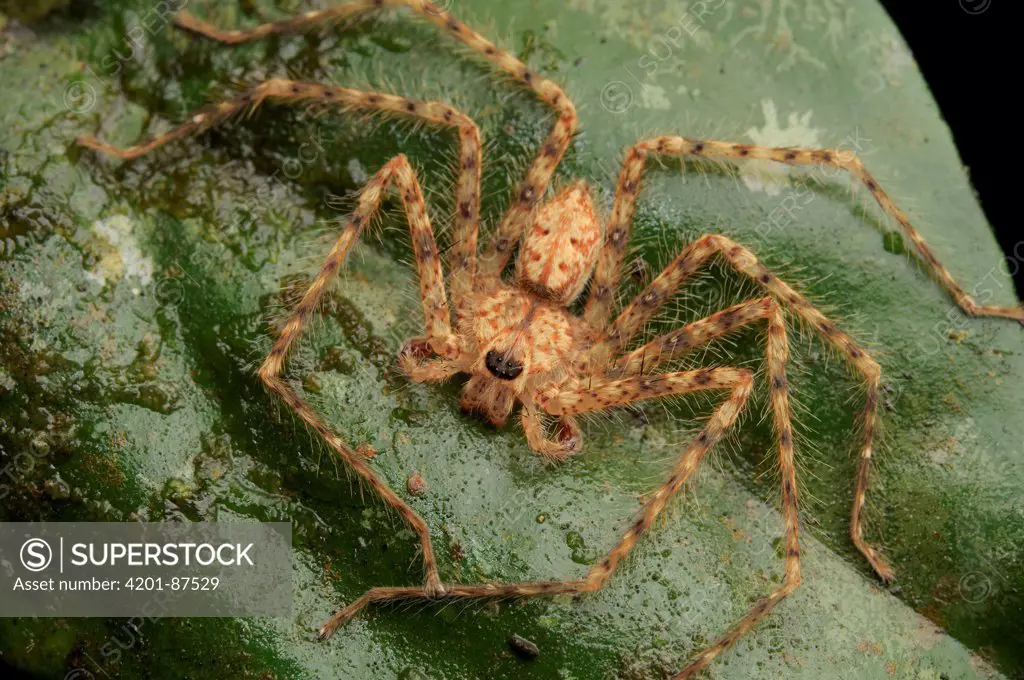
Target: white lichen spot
{"type": "Point", "coordinates": [357, 172]}
{"type": "Point", "coordinates": [896, 58]}
{"type": "Point", "coordinates": [768, 176]}
{"type": "Point", "coordinates": [653, 97]}
{"type": "Point", "coordinates": [775, 33]}
{"type": "Point", "coordinates": [121, 258]}
{"type": "Point", "coordinates": [884, 59]}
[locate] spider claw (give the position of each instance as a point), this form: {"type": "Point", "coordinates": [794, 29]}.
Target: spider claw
{"type": "Point", "coordinates": [568, 436]}
{"type": "Point", "coordinates": [886, 573]}
{"type": "Point", "coordinates": [880, 566]}
{"type": "Point", "coordinates": [416, 348]}
{"type": "Point", "coordinates": [434, 589]}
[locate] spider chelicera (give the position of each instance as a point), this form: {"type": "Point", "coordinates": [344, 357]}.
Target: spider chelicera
{"type": "Point", "coordinates": [518, 340]}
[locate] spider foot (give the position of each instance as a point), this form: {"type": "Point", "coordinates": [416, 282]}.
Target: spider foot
{"type": "Point", "coordinates": [429, 360]}
{"type": "Point", "coordinates": [565, 443]}
{"type": "Point", "coordinates": [434, 588]}
{"type": "Point", "coordinates": [884, 571]}
{"type": "Point", "coordinates": [417, 349]}
{"type": "Point", "coordinates": [878, 563]}
{"type": "Point", "coordinates": [568, 435]}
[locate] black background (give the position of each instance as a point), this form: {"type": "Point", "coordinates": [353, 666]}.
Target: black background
{"type": "Point", "coordinates": [966, 60]}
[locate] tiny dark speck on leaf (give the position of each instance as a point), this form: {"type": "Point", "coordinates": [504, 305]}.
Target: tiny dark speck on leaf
{"type": "Point", "coordinates": [524, 648]}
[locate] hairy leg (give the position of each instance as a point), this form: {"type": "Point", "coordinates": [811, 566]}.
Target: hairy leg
{"type": "Point", "coordinates": [856, 358]}
{"type": "Point", "coordinates": [647, 358]}
{"type": "Point", "coordinates": [638, 385]}
{"type": "Point", "coordinates": [609, 268]}
{"type": "Point", "coordinates": [565, 442]}
{"type": "Point", "coordinates": [737, 381]}
{"type": "Point", "coordinates": [602, 393]}
{"type": "Point", "coordinates": [776, 358]}
{"type": "Point", "coordinates": [461, 256]}
{"type": "Point", "coordinates": [399, 174]}
{"type": "Point", "coordinates": [538, 177]}
{"type": "Point", "coordinates": [631, 369]}
{"type": "Point", "coordinates": [639, 311]}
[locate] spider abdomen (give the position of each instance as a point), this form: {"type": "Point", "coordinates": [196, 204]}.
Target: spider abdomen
{"type": "Point", "coordinates": [561, 247]}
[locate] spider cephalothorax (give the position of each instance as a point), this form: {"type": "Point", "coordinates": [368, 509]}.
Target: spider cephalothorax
{"type": "Point", "coordinates": [516, 343]}
{"type": "Point", "coordinates": [518, 340]}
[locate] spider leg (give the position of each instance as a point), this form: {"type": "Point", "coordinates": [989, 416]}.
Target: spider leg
{"type": "Point", "coordinates": [737, 380]}
{"type": "Point", "coordinates": [608, 272]}
{"type": "Point", "coordinates": [604, 393]}
{"type": "Point", "coordinates": [645, 359]}
{"type": "Point", "coordinates": [641, 309]}
{"type": "Point", "coordinates": [673, 344]}
{"type": "Point", "coordinates": [497, 253]}
{"type": "Point", "coordinates": [776, 357]}
{"type": "Point", "coordinates": [626, 381]}
{"type": "Point", "coordinates": [398, 173]}
{"type": "Point", "coordinates": [437, 370]}
{"type": "Point", "coordinates": [856, 358]}
{"type": "Point", "coordinates": [601, 300]}
{"type": "Point", "coordinates": [462, 254]}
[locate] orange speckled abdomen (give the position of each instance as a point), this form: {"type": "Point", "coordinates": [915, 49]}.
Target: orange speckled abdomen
{"type": "Point", "coordinates": [561, 247]}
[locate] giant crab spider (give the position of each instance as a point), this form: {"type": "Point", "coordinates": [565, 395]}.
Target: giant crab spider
{"type": "Point", "coordinates": [518, 340]}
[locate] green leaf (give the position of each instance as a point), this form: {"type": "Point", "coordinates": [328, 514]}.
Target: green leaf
{"type": "Point", "coordinates": [138, 297]}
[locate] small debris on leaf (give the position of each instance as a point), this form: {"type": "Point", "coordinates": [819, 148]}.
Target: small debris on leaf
{"type": "Point", "coordinates": [524, 648]}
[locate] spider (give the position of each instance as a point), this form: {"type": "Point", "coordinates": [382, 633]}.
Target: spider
{"type": "Point", "coordinates": [516, 336]}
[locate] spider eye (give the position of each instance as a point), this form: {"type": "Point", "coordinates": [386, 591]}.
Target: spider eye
{"type": "Point", "coordinates": [502, 366]}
